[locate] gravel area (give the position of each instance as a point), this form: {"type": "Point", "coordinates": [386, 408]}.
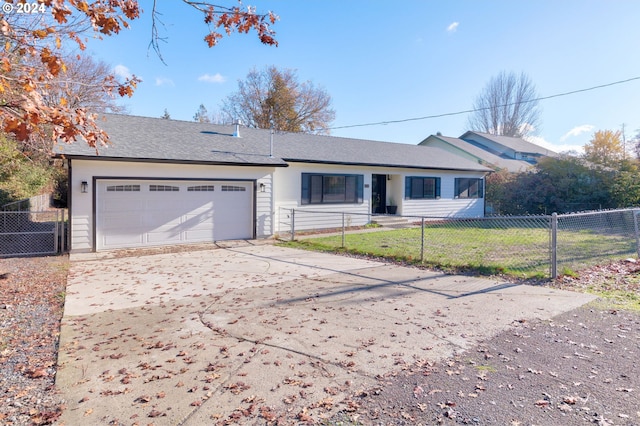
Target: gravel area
{"type": "Point", "coordinates": [31, 305]}
{"type": "Point", "coordinates": [579, 368]}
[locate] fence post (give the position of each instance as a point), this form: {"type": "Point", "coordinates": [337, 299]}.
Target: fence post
{"type": "Point", "coordinates": [293, 224]}
{"type": "Point", "coordinates": [56, 234]}
{"type": "Point", "coordinates": [67, 229]}
{"type": "Point", "coordinates": [343, 230]}
{"type": "Point", "coordinates": [554, 245]}
{"type": "Point", "coordinates": [635, 227]}
{"type": "Point", "coordinates": [422, 242]}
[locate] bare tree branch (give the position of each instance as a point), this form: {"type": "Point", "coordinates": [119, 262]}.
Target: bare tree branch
{"type": "Point", "coordinates": [215, 16]}
{"type": "Point", "coordinates": [41, 102]}
{"type": "Point", "coordinates": [506, 106]}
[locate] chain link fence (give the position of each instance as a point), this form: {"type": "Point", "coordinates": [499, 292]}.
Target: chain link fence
{"type": "Point", "coordinates": [25, 233]}
{"type": "Point", "coordinates": [524, 246]}
{"type": "Point", "coordinates": [587, 239]}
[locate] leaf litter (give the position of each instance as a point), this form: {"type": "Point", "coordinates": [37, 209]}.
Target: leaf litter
{"type": "Point", "coordinates": [579, 365]}
{"type": "Point", "coordinates": [577, 368]}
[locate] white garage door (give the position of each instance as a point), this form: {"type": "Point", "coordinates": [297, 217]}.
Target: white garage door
{"type": "Point", "coordinates": [140, 213]}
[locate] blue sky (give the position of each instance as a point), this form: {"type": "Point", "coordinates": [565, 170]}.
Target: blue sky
{"type": "Point", "coordinates": [386, 61]}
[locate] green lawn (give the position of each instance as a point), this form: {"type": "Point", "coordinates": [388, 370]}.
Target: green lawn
{"type": "Point", "coordinates": [516, 251]}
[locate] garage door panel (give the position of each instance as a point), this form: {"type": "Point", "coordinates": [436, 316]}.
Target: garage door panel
{"type": "Point", "coordinates": [201, 235]}
{"type": "Point", "coordinates": [122, 220]}
{"type": "Point", "coordinates": [119, 239]}
{"type": "Point", "coordinates": [155, 219]}
{"type": "Point", "coordinates": [134, 215]}
{"type": "Point", "coordinates": [120, 204]}
{"type": "Point", "coordinates": [164, 235]}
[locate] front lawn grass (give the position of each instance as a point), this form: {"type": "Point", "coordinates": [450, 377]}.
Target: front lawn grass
{"type": "Point", "coordinates": [521, 252]}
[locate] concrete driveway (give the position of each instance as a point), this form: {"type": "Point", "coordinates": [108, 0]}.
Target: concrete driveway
{"type": "Point", "coordinates": [249, 332]}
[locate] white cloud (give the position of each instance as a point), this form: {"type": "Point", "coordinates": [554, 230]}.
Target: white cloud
{"type": "Point", "coordinates": [162, 81]}
{"type": "Point", "coordinates": [527, 129]}
{"type": "Point", "coordinates": [576, 131]}
{"type": "Point", "coordinates": [216, 78]}
{"type": "Point", "coordinates": [453, 27]}
{"type": "Point", "coordinates": [122, 71]}
{"type": "Point", "coordinates": [559, 148]}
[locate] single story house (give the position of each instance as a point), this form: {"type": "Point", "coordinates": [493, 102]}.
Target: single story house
{"type": "Point", "coordinates": [163, 182]}
{"type": "Point", "coordinates": [498, 152]}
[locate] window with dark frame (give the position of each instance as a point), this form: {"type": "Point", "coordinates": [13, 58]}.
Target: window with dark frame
{"type": "Point", "coordinates": [421, 188]}
{"type": "Point", "coordinates": [233, 188]}
{"type": "Point", "coordinates": [201, 188]}
{"type": "Point", "coordinates": [123, 188]}
{"type": "Point", "coordinates": [163, 188]}
{"type": "Point", "coordinates": [332, 188]}
{"type": "Point", "coordinates": [468, 188]}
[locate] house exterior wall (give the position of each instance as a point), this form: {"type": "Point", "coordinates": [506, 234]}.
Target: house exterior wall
{"type": "Point", "coordinates": [82, 215]}
{"type": "Point", "coordinates": [446, 205]}
{"type": "Point", "coordinates": [287, 195]}
{"type": "Point", "coordinates": [449, 148]}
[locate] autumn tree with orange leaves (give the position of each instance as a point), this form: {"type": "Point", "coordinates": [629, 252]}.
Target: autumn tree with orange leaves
{"type": "Point", "coordinates": [35, 45]}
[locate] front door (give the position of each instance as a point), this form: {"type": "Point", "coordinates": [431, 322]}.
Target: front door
{"type": "Point", "coordinates": [379, 194]}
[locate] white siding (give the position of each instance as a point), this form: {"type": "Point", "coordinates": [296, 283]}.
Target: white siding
{"type": "Point", "coordinates": [446, 205]}
{"type": "Point", "coordinates": [264, 206]}
{"type": "Point", "coordinates": [437, 143]}
{"type": "Point", "coordinates": [287, 193]}
{"type": "Point", "coordinates": [282, 189]}
{"type": "Point", "coordinates": [82, 220]}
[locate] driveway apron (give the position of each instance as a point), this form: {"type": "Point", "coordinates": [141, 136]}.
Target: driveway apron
{"type": "Point", "coordinates": [255, 333]}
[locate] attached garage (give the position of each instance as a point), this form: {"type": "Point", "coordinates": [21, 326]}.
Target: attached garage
{"type": "Point", "coordinates": [165, 182]}
{"type": "Point", "coordinates": [143, 212]}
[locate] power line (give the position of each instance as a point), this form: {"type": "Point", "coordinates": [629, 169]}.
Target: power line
{"type": "Point", "coordinates": [448, 114]}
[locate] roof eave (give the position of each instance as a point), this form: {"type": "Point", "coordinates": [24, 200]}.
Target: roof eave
{"type": "Point", "coordinates": [395, 166]}
{"type": "Point", "coordinates": [167, 161]}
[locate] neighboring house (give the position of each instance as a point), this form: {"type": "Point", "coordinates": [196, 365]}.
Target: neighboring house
{"type": "Point", "coordinates": [165, 182]}
{"type": "Point", "coordinates": [497, 152]}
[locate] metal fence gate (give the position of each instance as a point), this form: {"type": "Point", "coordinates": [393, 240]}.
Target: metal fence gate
{"type": "Point", "coordinates": [25, 233]}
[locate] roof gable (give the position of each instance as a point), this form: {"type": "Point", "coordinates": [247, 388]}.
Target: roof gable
{"type": "Point", "coordinates": [482, 155]}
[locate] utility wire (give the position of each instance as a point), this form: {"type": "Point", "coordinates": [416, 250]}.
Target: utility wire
{"type": "Point", "coordinates": [448, 114]}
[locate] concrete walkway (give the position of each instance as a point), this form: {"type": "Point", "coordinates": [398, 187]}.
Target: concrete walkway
{"type": "Point", "coordinates": [249, 333]}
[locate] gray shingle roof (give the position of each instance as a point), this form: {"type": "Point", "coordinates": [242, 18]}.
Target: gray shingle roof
{"type": "Point", "coordinates": [323, 149]}
{"type": "Point", "coordinates": [156, 139]}
{"type": "Point", "coordinates": [517, 144]}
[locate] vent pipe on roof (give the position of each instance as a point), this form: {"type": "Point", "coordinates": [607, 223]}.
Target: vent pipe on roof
{"type": "Point", "coordinates": [236, 134]}
{"type": "Point", "coordinates": [271, 143]}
